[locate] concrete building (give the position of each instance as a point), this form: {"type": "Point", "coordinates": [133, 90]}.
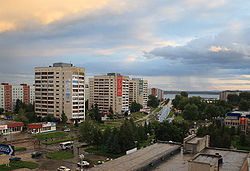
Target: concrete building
{"type": "Point", "coordinates": [60, 88]}
{"type": "Point", "coordinates": [193, 144]}
{"type": "Point", "coordinates": [158, 93]}
{"type": "Point", "coordinates": [6, 97]}
{"type": "Point", "coordinates": [138, 91]}
{"type": "Point", "coordinates": [111, 90]}
{"type": "Point", "coordinates": [224, 94]}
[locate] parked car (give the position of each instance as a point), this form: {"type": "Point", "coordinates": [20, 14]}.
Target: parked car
{"type": "Point", "coordinates": [15, 159]}
{"type": "Point", "coordinates": [36, 154]}
{"type": "Point", "coordinates": [63, 168]}
{"type": "Point", "coordinates": [83, 164]}
{"type": "Point", "coordinates": [67, 130]}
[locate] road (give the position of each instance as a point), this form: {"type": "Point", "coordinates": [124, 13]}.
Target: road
{"type": "Point", "coordinates": [164, 112]}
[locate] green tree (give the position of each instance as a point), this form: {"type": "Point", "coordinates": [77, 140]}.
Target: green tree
{"type": "Point", "coordinates": [184, 94]}
{"type": "Point", "coordinates": [1, 111]}
{"type": "Point", "coordinates": [135, 107]}
{"type": "Point", "coordinates": [153, 101]}
{"type": "Point", "coordinates": [64, 118]}
{"type": "Point", "coordinates": [190, 112]}
{"type": "Point", "coordinates": [89, 131]}
{"type": "Point", "coordinates": [211, 111]}
{"type": "Point", "coordinates": [233, 99]}
{"type": "Point", "coordinates": [113, 145]}
{"type": "Point", "coordinates": [97, 115]}
{"type": "Point", "coordinates": [243, 105]}
{"type": "Point", "coordinates": [18, 106]}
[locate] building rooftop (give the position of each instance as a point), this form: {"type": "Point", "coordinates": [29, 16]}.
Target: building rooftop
{"type": "Point", "coordinates": [61, 64]}
{"type": "Point", "coordinates": [232, 160]}
{"type": "Point", "coordinates": [137, 159]}
{"type": "Point", "coordinates": [211, 159]}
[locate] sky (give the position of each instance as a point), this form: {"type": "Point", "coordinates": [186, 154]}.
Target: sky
{"type": "Point", "coordinates": [175, 45]}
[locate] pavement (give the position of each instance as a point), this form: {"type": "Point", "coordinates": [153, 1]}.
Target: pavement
{"type": "Point", "coordinates": [164, 112]}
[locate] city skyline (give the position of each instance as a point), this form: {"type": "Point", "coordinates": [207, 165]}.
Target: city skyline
{"type": "Point", "coordinates": [181, 45]}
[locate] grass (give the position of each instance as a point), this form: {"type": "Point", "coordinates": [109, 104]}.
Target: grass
{"type": "Point", "coordinates": [60, 155]}
{"type": "Point", "coordinates": [109, 124]}
{"type": "Point", "coordinates": [159, 109]}
{"type": "Point", "coordinates": [171, 113]}
{"type": "Point", "coordinates": [59, 141]}
{"type": "Point", "coordinates": [138, 115]}
{"type": "Point", "coordinates": [51, 135]}
{"type": "Point", "coordinates": [101, 151]}
{"type": "Point", "coordinates": [178, 118]}
{"type": "Point", "coordinates": [19, 164]}
{"type": "Point", "coordinates": [20, 148]}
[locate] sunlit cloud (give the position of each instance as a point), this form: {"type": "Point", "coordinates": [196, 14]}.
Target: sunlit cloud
{"type": "Point", "coordinates": [218, 48]}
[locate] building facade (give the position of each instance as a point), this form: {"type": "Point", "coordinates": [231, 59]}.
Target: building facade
{"type": "Point", "coordinates": [138, 91]}
{"type": "Point", "coordinates": [109, 91]}
{"type": "Point", "coordinates": [10, 93]}
{"type": "Point", "coordinates": [158, 93]}
{"type": "Point", "coordinates": [224, 94]}
{"type": "Point", "coordinates": [60, 88]}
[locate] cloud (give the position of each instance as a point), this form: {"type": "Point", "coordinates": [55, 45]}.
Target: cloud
{"type": "Point", "coordinates": [217, 49]}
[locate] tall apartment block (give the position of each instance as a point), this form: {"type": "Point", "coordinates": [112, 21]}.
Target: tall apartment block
{"type": "Point", "coordinates": [10, 93]}
{"type": "Point", "coordinates": [111, 90]}
{"type": "Point", "coordinates": [224, 94]}
{"type": "Point", "coordinates": [159, 93]}
{"type": "Point", "coordinates": [60, 89]}
{"type": "Point", "coordinates": [138, 91]}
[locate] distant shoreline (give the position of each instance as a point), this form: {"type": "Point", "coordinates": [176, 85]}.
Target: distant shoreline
{"type": "Point", "coordinates": [193, 92]}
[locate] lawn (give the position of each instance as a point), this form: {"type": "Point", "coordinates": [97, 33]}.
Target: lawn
{"type": "Point", "coordinates": [60, 155]}
{"type": "Point", "coordinates": [137, 115]}
{"type": "Point", "coordinates": [178, 118]}
{"type": "Point", "coordinates": [158, 110]}
{"type": "Point", "coordinates": [20, 148]}
{"type": "Point", "coordinates": [101, 151]}
{"type": "Point", "coordinates": [171, 113]}
{"type": "Point", "coordinates": [19, 164]}
{"type": "Point", "coordinates": [109, 124]}
{"type": "Point", "coordinates": [51, 135]}
{"type": "Point", "coordinates": [59, 141]}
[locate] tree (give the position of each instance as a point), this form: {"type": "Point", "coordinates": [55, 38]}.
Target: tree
{"type": "Point", "coordinates": [87, 105]}
{"type": "Point", "coordinates": [211, 111]}
{"type": "Point", "coordinates": [135, 107]}
{"type": "Point", "coordinates": [153, 101]}
{"type": "Point", "coordinates": [18, 106]}
{"type": "Point", "coordinates": [184, 94]}
{"type": "Point", "coordinates": [97, 115]}
{"type": "Point", "coordinates": [113, 145]}
{"type": "Point", "coordinates": [233, 99]}
{"type": "Point", "coordinates": [190, 112]}
{"type": "Point", "coordinates": [243, 105]}
{"type": "Point", "coordinates": [1, 111]}
{"type": "Point", "coordinates": [64, 118]}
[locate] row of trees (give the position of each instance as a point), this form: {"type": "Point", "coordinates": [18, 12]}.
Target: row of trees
{"type": "Point", "coordinates": [242, 100]}
{"type": "Point", "coordinates": [195, 109]}
{"type": "Point", "coordinates": [115, 140]}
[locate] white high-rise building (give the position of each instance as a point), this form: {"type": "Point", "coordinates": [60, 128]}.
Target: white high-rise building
{"type": "Point", "coordinates": [59, 89]}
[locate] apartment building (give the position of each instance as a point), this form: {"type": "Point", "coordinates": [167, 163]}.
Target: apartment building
{"type": "Point", "coordinates": [60, 88]}
{"type": "Point", "coordinates": [224, 94]}
{"type": "Point", "coordinates": [111, 90]}
{"type": "Point", "coordinates": [138, 91]}
{"type": "Point", "coordinates": [10, 93]}
{"type": "Point", "coordinates": [159, 93]}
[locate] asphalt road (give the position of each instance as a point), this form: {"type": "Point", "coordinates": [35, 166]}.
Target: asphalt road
{"type": "Point", "coordinates": [164, 112]}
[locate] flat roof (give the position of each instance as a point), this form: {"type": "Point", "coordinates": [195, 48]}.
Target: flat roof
{"type": "Point", "coordinates": [207, 158]}
{"type": "Point", "coordinates": [232, 160]}
{"type": "Point", "coordinates": [137, 159]}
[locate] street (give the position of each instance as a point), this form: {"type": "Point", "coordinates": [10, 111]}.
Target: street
{"type": "Point", "coordinates": [164, 112]}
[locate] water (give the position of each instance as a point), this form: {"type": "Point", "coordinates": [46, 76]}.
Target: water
{"type": "Point", "coordinates": [172, 96]}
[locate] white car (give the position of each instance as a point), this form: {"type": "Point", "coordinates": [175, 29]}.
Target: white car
{"type": "Point", "coordinates": [67, 130]}
{"type": "Point", "coordinates": [63, 168]}
{"type": "Point", "coordinates": [83, 164]}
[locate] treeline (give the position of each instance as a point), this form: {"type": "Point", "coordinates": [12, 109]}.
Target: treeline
{"type": "Point", "coordinates": [221, 136]}
{"type": "Point", "coordinates": [120, 139]}
{"type": "Point", "coordinates": [193, 108]}
{"type": "Point", "coordinates": [115, 140]}
{"type": "Point", "coordinates": [242, 100]}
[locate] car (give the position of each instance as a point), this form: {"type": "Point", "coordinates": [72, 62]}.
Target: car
{"type": "Point", "coordinates": [83, 164]}
{"type": "Point", "coordinates": [15, 159]}
{"type": "Point", "coordinates": [63, 168]}
{"type": "Point", "coordinates": [36, 154]}
{"type": "Point", "coordinates": [67, 130]}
